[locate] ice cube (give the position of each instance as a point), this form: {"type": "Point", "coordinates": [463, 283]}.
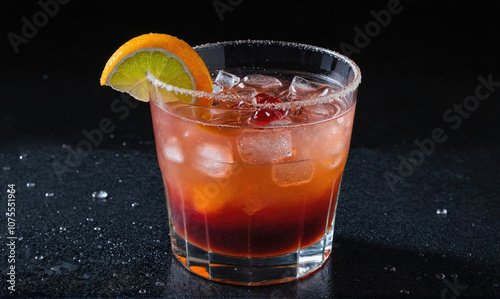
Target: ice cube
{"type": "Point", "coordinates": [301, 84]}
{"type": "Point", "coordinates": [172, 150]}
{"type": "Point", "coordinates": [313, 113]}
{"type": "Point", "coordinates": [245, 93]}
{"type": "Point", "coordinates": [226, 80]}
{"type": "Point", "coordinates": [262, 81]}
{"type": "Point", "coordinates": [222, 113]}
{"type": "Point", "coordinates": [324, 91]}
{"type": "Point", "coordinates": [336, 145]}
{"type": "Point", "coordinates": [251, 207]}
{"type": "Point", "coordinates": [333, 161]}
{"type": "Point", "coordinates": [343, 103]}
{"type": "Point", "coordinates": [214, 160]}
{"type": "Point", "coordinates": [281, 93]}
{"type": "Point", "coordinates": [258, 202]}
{"type": "Point", "coordinates": [302, 89]}
{"type": "Point", "coordinates": [217, 88]}
{"type": "Point", "coordinates": [261, 147]}
{"type": "Point", "coordinates": [321, 111]}
{"type": "Point", "coordinates": [293, 173]}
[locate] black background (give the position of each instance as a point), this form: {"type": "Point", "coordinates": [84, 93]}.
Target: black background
{"type": "Point", "coordinates": [426, 60]}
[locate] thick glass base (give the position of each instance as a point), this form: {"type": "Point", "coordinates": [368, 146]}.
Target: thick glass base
{"type": "Point", "coordinates": [252, 271]}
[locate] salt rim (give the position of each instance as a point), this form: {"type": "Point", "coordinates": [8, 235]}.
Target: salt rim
{"type": "Point", "coordinates": [344, 92]}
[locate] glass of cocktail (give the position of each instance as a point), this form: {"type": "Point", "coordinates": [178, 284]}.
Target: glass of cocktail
{"type": "Point", "coordinates": [252, 182]}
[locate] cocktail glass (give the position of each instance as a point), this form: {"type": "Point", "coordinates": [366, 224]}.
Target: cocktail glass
{"type": "Point", "coordinates": [254, 203]}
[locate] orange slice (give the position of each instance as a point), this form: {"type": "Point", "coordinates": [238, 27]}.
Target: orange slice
{"type": "Point", "coordinates": [168, 58]}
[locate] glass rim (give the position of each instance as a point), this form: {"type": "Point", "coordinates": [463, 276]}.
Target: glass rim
{"type": "Point", "coordinates": [337, 94]}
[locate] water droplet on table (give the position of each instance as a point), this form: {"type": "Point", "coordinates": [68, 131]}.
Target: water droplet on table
{"type": "Point", "coordinates": [390, 269]}
{"type": "Point", "coordinates": [49, 194]}
{"type": "Point", "coordinates": [100, 194]}
{"type": "Point", "coordinates": [30, 185]}
{"type": "Point", "coordinates": [440, 276]}
{"type": "Point", "coordinates": [404, 292]}
{"type": "Point", "coordinates": [442, 212]}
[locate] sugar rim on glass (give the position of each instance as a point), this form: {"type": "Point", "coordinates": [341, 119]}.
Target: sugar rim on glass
{"type": "Point", "coordinates": [342, 93]}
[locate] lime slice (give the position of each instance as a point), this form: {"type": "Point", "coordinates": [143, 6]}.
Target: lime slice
{"type": "Point", "coordinates": [166, 57]}
{"type": "Point", "coordinates": [129, 76]}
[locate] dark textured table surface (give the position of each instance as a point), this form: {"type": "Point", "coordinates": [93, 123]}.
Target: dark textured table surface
{"type": "Point", "coordinates": [419, 210]}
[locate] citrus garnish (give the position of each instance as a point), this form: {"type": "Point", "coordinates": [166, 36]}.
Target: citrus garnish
{"type": "Point", "coordinates": [166, 57]}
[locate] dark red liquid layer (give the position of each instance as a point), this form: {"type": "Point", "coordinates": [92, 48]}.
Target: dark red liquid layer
{"type": "Point", "coordinates": [274, 230]}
